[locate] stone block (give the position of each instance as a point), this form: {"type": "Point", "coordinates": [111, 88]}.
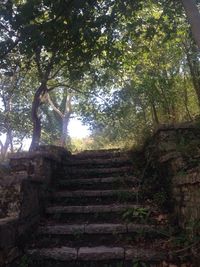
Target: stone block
{"type": "Point", "coordinates": [100, 253]}
{"type": "Point", "coordinates": [30, 203]}
{"type": "Point", "coordinates": [62, 229]}
{"type": "Point", "coordinates": [105, 228]}
{"type": "Point", "coordinates": [60, 254]}
{"type": "Point", "coordinates": [8, 232]}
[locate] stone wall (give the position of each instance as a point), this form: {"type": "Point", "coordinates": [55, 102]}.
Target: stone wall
{"type": "Point", "coordinates": [10, 187]}
{"type": "Point", "coordinates": [30, 177]}
{"type": "Point", "coordinates": [175, 151]}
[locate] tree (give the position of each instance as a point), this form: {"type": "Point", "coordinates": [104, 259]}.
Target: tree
{"type": "Point", "coordinates": [115, 56]}
{"type": "Point", "coordinates": [64, 116]}
{"type": "Point", "coordinates": [87, 29]}
{"type": "Point", "coordinates": [193, 18]}
{"type": "Point", "coordinates": [153, 83]}
{"type": "Point", "coordinates": [15, 96]}
{"type": "Point", "coordinates": [36, 26]}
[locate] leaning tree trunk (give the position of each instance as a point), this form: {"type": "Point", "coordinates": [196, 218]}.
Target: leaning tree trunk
{"type": "Point", "coordinates": [4, 147]}
{"type": "Point", "coordinates": [154, 114]}
{"type": "Point", "coordinates": [194, 72]}
{"type": "Point", "coordinates": [65, 117]}
{"type": "Point", "coordinates": [64, 135]}
{"type": "Point", "coordinates": [35, 116]}
{"type": "Point", "coordinates": [193, 18]}
{"type": "Point", "coordinates": [65, 120]}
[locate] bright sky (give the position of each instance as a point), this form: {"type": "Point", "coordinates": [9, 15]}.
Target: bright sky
{"type": "Point", "coordinates": [76, 130]}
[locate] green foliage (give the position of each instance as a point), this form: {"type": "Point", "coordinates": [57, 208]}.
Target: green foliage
{"type": "Point", "coordinates": [185, 243]}
{"type": "Point", "coordinates": [140, 264]}
{"type": "Point", "coordinates": [24, 262]}
{"type": "Point", "coordinates": [131, 65]}
{"type": "Point", "coordinates": [136, 214]}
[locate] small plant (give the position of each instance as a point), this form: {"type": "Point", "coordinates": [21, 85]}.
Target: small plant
{"type": "Point", "coordinates": [193, 230]}
{"type": "Point", "coordinates": [24, 262]}
{"type": "Point", "coordinates": [77, 234]}
{"type": "Point", "coordinates": [182, 173]}
{"type": "Point", "coordinates": [187, 240]}
{"type": "Point", "coordinates": [136, 214]}
{"type": "Point", "coordinates": [139, 264]}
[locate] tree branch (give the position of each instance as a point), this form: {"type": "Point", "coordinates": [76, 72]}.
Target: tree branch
{"type": "Point", "coordinates": [53, 106]}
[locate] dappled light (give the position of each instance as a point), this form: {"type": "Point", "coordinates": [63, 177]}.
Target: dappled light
{"type": "Point", "coordinates": [122, 68]}
{"type": "Point", "coordinates": [99, 133]}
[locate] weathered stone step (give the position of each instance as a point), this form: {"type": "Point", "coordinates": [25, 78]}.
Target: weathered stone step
{"type": "Point", "coordinates": [110, 153]}
{"type": "Point", "coordinates": [92, 209]}
{"type": "Point", "coordinates": [106, 228]}
{"type": "Point", "coordinates": [98, 213]}
{"type": "Point", "coordinates": [98, 183]}
{"type": "Point", "coordinates": [98, 234]}
{"type": "Point", "coordinates": [99, 162]}
{"type": "Point", "coordinates": [74, 172]}
{"type": "Point", "coordinates": [95, 196]}
{"type": "Point", "coordinates": [93, 193]}
{"type": "Point", "coordinates": [96, 254]}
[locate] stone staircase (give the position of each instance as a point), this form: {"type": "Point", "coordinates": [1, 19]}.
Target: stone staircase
{"type": "Point", "coordinates": [95, 217]}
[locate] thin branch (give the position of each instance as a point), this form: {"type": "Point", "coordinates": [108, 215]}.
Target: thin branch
{"type": "Point", "coordinates": [50, 66]}
{"type": "Point", "coordinates": [37, 60]}
{"type": "Point", "coordinates": [78, 91]}
{"type": "Point", "coordinates": [57, 71]}
{"type": "Point", "coordinates": [8, 30]}
{"type": "Point", "coordinates": [83, 93]}
{"type": "Point", "coordinates": [1, 144]}
{"type": "Point", "coordinates": [68, 104]}
{"type": "Point", "coordinates": [21, 143]}
{"type": "Point", "coordinates": [53, 106]}
{"type": "Point", "coordinates": [186, 248]}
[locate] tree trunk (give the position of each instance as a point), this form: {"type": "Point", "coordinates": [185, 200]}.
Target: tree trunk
{"type": "Point", "coordinates": [193, 18]}
{"type": "Point", "coordinates": [65, 120]}
{"type": "Point", "coordinates": [64, 135]}
{"type": "Point", "coordinates": [65, 117]}
{"type": "Point", "coordinates": [35, 116]}
{"type": "Point", "coordinates": [186, 100]}
{"type": "Point", "coordinates": [194, 74]}
{"type": "Point", "coordinates": [11, 141]}
{"type": "Point", "coordinates": [4, 147]}
{"type": "Point", "coordinates": [155, 115]}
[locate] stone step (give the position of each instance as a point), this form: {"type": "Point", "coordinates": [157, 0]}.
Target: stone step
{"type": "Point", "coordinates": [106, 228]}
{"type": "Point", "coordinates": [95, 196]}
{"type": "Point", "coordinates": [99, 162]}
{"type": "Point", "coordinates": [99, 213]}
{"type": "Point", "coordinates": [91, 154]}
{"type": "Point", "coordinates": [95, 254]}
{"type": "Point", "coordinates": [98, 183]}
{"type": "Point", "coordinates": [97, 234]}
{"type": "Point", "coordinates": [92, 209]}
{"type": "Point", "coordinates": [78, 172]}
{"type": "Point", "coordinates": [93, 193]}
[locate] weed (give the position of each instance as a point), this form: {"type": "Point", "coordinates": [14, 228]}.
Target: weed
{"type": "Point", "coordinates": [77, 234]}
{"type": "Point", "coordinates": [136, 214]}
{"type": "Point", "coordinates": [187, 239]}
{"type": "Point", "coordinates": [139, 264]}
{"type": "Point", "coordinates": [24, 262]}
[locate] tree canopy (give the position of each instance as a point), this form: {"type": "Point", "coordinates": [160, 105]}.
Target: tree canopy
{"type": "Point", "coordinates": [126, 66]}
